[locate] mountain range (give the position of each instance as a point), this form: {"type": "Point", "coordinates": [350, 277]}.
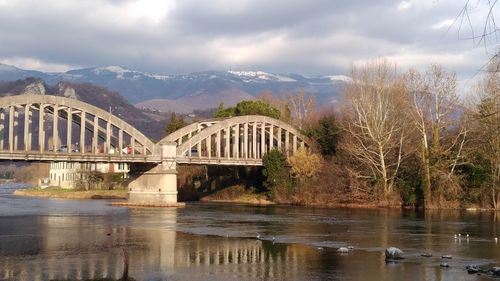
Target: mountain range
{"type": "Point", "coordinates": [152, 125]}
{"type": "Point", "coordinates": [184, 93]}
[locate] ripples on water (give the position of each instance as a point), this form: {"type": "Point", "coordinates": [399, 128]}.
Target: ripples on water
{"type": "Point", "coordinates": [44, 239]}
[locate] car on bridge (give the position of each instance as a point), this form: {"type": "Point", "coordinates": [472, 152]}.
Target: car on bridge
{"type": "Point", "coordinates": [127, 149]}
{"type": "Point", "coordinates": [64, 148]}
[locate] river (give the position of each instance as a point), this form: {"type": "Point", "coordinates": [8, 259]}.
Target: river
{"type": "Point", "coordinates": [50, 239]}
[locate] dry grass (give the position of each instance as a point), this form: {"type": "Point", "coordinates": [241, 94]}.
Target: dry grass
{"type": "Point", "coordinates": [72, 194]}
{"type": "Point", "coordinates": [237, 194]}
{"type": "Point", "coordinates": [32, 173]}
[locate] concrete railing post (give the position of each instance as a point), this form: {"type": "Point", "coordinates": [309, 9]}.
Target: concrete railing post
{"type": "Point", "coordinates": [2, 128]}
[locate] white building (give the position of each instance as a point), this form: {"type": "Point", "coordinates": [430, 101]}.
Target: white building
{"type": "Point", "coordinates": [67, 174]}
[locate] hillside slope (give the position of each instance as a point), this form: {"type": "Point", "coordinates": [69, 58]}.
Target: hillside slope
{"type": "Point", "coordinates": [187, 92]}
{"type": "Point", "coordinates": [92, 94]}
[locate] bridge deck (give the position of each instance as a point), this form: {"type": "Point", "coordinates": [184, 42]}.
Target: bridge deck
{"type": "Point", "coordinates": [79, 157]}
{"type": "Point", "coordinates": [76, 157]}
{"type": "Point", "coordinates": [219, 161]}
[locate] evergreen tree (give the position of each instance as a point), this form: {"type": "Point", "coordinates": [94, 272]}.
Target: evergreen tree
{"type": "Point", "coordinates": [326, 132]}
{"type": "Point", "coordinates": [176, 122]}
{"type": "Point", "coordinates": [248, 107]}
{"type": "Point", "coordinates": [277, 173]}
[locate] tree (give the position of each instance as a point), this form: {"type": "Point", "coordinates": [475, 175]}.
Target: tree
{"type": "Point", "coordinates": [434, 102]}
{"type": "Point", "coordinates": [326, 132]}
{"type": "Point", "coordinates": [279, 103]}
{"type": "Point", "coordinates": [31, 173]}
{"type": "Point", "coordinates": [176, 123]}
{"type": "Point", "coordinates": [488, 31]}
{"type": "Point", "coordinates": [376, 127]}
{"type": "Point", "coordinates": [248, 107]}
{"type": "Point", "coordinates": [276, 172]}
{"type": "Point", "coordinates": [302, 108]}
{"type": "Point", "coordinates": [487, 131]}
{"type": "Point", "coordinates": [223, 112]}
{"type": "Point", "coordinates": [483, 11]}
{"type": "Point", "coordinates": [88, 179]}
{"type": "Point", "coordinates": [304, 165]}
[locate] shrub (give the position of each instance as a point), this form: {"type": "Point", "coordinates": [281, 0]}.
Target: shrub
{"type": "Point", "coordinates": [277, 174]}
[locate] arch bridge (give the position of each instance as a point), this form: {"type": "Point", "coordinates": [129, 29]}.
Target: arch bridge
{"type": "Point", "coordinates": [53, 128]}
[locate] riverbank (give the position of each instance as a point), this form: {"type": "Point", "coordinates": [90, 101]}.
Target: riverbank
{"type": "Point", "coordinates": [53, 192]}
{"type": "Point", "coordinates": [252, 200]}
{"type": "Point", "coordinates": [238, 194]}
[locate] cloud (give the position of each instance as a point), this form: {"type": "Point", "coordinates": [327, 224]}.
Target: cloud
{"type": "Point", "coordinates": [150, 10]}
{"type": "Point", "coordinates": [293, 36]}
{"type": "Point", "coordinates": [443, 24]}
{"type": "Point", "coordinates": [404, 5]}
{"type": "Point", "coordinates": [36, 64]}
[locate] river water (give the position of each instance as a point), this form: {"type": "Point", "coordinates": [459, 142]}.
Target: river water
{"type": "Point", "coordinates": [51, 239]}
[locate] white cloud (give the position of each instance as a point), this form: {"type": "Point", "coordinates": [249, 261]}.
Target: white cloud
{"type": "Point", "coordinates": [36, 64]}
{"type": "Point", "coordinates": [443, 24]}
{"type": "Point", "coordinates": [404, 5]}
{"type": "Point", "coordinates": [150, 10]}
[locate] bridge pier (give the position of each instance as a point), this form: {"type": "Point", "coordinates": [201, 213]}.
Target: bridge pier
{"type": "Point", "coordinates": [153, 184]}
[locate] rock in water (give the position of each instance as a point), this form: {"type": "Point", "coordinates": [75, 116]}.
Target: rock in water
{"type": "Point", "coordinates": [495, 271]}
{"type": "Point", "coordinates": [449, 257]}
{"type": "Point", "coordinates": [393, 253]}
{"type": "Point", "coordinates": [343, 250]}
{"type": "Point", "coordinates": [472, 268]}
{"type": "Point", "coordinates": [426, 255]}
{"type": "Point", "coordinates": [443, 264]}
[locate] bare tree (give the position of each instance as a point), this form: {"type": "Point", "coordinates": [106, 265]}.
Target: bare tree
{"type": "Point", "coordinates": [302, 107]}
{"type": "Point", "coordinates": [488, 27]}
{"type": "Point", "coordinates": [487, 33]}
{"type": "Point", "coordinates": [279, 103]}
{"type": "Point", "coordinates": [297, 108]}
{"type": "Point", "coordinates": [434, 102]}
{"type": "Point", "coordinates": [416, 88]}
{"type": "Point", "coordinates": [487, 130]}
{"type": "Point", "coordinates": [377, 125]}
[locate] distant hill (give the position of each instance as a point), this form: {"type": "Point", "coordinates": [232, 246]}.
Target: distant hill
{"type": "Point", "coordinates": [185, 93]}
{"type": "Point", "coordinates": [92, 94]}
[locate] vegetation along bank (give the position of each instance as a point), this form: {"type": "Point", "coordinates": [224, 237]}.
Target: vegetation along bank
{"type": "Point", "coordinates": [397, 139]}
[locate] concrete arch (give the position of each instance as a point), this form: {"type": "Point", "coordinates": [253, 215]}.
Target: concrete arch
{"type": "Point", "coordinates": [241, 140]}
{"type": "Point", "coordinates": [188, 131]}
{"type": "Point", "coordinates": [71, 110]}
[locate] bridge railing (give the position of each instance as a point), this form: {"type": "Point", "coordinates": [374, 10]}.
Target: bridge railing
{"type": "Point", "coordinates": [240, 140]}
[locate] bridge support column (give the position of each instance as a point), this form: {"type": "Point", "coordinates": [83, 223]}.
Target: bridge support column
{"type": "Point", "coordinates": [155, 184]}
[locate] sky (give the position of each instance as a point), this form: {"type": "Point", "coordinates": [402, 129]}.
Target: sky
{"type": "Point", "coordinates": [310, 37]}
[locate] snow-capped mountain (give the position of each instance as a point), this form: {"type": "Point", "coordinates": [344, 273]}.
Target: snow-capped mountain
{"type": "Point", "coordinates": [198, 90]}
{"type": "Point", "coordinates": [256, 76]}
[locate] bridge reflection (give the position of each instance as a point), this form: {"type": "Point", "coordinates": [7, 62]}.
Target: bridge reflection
{"type": "Point", "coordinates": [78, 248]}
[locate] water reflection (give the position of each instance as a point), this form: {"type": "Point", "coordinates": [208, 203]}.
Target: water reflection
{"type": "Point", "coordinates": [75, 247]}
{"type": "Point", "coordinates": [43, 239]}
